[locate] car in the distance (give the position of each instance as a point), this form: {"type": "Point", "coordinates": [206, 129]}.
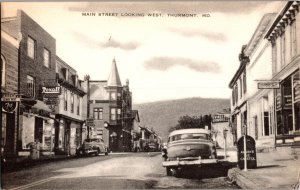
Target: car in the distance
{"type": "Point", "coordinates": [188, 148]}
{"type": "Point", "coordinates": [92, 146]}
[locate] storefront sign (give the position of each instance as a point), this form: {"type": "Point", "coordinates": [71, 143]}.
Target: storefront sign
{"type": "Point", "coordinates": [268, 85]}
{"type": "Point", "coordinates": [9, 106]}
{"type": "Point", "coordinates": [51, 91]}
{"type": "Point", "coordinates": [287, 101]}
{"type": "Point", "coordinates": [250, 152]}
{"type": "Point", "coordinates": [90, 122]}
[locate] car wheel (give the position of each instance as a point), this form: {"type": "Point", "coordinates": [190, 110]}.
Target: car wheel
{"type": "Point", "coordinates": [168, 171]}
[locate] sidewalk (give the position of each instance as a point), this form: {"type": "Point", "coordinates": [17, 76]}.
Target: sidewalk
{"type": "Point", "coordinates": [277, 169]}
{"type": "Point", "coordinates": [22, 162]}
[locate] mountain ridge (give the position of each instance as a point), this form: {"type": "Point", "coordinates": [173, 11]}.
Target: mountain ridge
{"type": "Point", "coordinates": [161, 115]}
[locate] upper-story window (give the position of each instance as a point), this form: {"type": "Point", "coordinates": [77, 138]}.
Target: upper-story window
{"type": "Point", "coordinates": [113, 113]}
{"type": "Point", "coordinates": [283, 48]}
{"type": "Point", "coordinates": [98, 113]}
{"type": "Point", "coordinates": [244, 82]}
{"type": "Point", "coordinates": [78, 105]}
{"type": "Point", "coordinates": [31, 47]}
{"type": "Point", "coordinates": [30, 86]}
{"type": "Point", "coordinates": [2, 71]}
{"type": "Point", "coordinates": [119, 96]}
{"type": "Point", "coordinates": [72, 103]}
{"type": "Point", "coordinates": [46, 58]}
{"type": "Point", "coordinates": [113, 96]}
{"type": "Point", "coordinates": [66, 100]}
{"type": "Point", "coordinates": [119, 113]}
{"type": "Point", "coordinates": [241, 87]}
{"type": "Point", "coordinates": [293, 39]}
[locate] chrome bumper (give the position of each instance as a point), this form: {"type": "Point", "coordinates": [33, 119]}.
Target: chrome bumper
{"type": "Point", "coordinates": [189, 162]}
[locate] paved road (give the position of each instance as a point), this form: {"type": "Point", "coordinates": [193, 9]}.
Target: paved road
{"type": "Point", "coordinates": [116, 171]}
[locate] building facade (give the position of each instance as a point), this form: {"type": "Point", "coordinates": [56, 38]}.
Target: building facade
{"type": "Point", "coordinates": [37, 52]}
{"type": "Point", "coordinates": [260, 106]}
{"type": "Point", "coordinates": [69, 119]}
{"type": "Point", "coordinates": [238, 98]}
{"type": "Point", "coordinates": [9, 91]}
{"type": "Point", "coordinates": [109, 104]}
{"type": "Point", "coordinates": [284, 35]}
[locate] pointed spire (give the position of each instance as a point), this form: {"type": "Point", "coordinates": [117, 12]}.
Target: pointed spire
{"type": "Point", "coordinates": [114, 78]}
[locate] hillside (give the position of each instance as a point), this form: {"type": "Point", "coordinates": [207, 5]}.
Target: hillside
{"type": "Point", "coordinates": [162, 115]}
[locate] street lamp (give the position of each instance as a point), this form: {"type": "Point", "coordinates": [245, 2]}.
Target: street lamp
{"type": "Point", "coordinates": [225, 137]}
{"type": "Point", "coordinates": [106, 124]}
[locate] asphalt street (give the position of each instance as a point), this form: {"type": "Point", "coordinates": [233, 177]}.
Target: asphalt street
{"type": "Point", "coordinates": [115, 171]}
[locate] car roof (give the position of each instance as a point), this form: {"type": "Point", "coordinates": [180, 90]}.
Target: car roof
{"type": "Point", "coordinates": [184, 131]}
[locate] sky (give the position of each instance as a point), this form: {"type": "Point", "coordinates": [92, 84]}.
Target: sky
{"type": "Point", "coordinates": [163, 57]}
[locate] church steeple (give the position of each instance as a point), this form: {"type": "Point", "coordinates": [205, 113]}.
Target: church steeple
{"type": "Point", "coordinates": [114, 78]}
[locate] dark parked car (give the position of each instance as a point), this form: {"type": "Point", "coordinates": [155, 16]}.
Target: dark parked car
{"type": "Point", "coordinates": [92, 146]}
{"type": "Point", "coordinates": [188, 147]}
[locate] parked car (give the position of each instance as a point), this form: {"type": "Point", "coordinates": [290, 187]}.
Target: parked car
{"type": "Point", "coordinates": [188, 148]}
{"type": "Point", "coordinates": [92, 146]}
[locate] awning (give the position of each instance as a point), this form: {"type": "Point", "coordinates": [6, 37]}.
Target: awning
{"type": "Point", "coordinates": [40, 105]}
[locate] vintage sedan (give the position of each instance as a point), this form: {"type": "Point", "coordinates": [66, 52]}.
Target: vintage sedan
{"type": "Point", "coordinates": [187, 148]}
{"type": "Point", "coordinates": [92, 146]}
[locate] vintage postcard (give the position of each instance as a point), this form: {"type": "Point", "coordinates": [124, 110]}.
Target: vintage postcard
{"type": "Point", "coordinates": [150, 95]}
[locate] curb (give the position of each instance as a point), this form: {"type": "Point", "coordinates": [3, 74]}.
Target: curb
{"type": "Point", "coordinates": [237, 176]}
{"type": "Point", "coordinates": [11, 166]}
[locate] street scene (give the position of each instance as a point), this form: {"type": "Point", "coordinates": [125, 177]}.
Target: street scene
{"type": "Point", "coordinates": [150, 95]}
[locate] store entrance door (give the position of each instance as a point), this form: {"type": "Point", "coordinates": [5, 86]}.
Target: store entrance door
{"type": "Point", "coordinates": [10, 131]}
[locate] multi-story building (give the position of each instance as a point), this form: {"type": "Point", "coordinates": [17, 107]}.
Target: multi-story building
{"type": "Point", "coordinates": [220, 125]}
{"type": "Point", "coordinates": [109, 104]}
{"type": "Point", "coordinates": [68, 131]}
{"type": "Point", "coordinates": [9, 91]}
{"type": "Point", "coordinates": [260, 105]}
{"type": "Point", "coordinates": [284, 35]}
{"type": "Point", "coordinates": [238, 98]}
{"type": "Point", "coordinates": [37, 54]}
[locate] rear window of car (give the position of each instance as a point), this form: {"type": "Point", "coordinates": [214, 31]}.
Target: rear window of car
{"type": "Point", "coordinates": [189, 136]}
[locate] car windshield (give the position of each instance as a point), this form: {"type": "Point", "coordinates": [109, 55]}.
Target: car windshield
{"type": "Point", "coordinates": [189, 136]}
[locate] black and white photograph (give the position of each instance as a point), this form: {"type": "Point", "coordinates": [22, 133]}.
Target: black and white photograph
{"type": "Point", "coordinates": [123, 94]}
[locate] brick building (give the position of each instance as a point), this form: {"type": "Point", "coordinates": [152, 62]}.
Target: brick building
{"type": "Point", "coordinates": [9, 90]}
{"type": "Point", "coordinates": [110, 105]}
{"type": "Point", "coordinates": [37, 55]}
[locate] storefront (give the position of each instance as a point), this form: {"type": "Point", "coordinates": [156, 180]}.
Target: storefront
{"type": "Point", "coordinates": [36, 126]}
{"type": "Point", "coordinates": [288, 110]}
{"type": "Point", "coordinates": [68, 133]}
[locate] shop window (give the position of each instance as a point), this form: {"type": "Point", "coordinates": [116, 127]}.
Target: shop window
{"type": "Point", "coordinates": [46, 58]}
{"type": "Point", "coordinates": [113, 114]}
{"type": "Point", "coordinates": [296, 86]}
{"type": "Point", "coordinates": [266, 123]}
{"type": "Point", "coordinates": [98, 113]}
{"type": "Point", "coordinates": [3, 62]}
{"type": "Point", "coordinates": [31, 47]}
{"type": "Point", "coordinates": [30, 86]}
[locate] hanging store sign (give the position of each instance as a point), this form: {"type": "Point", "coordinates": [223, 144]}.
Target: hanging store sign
{"type": "Point", "coordinates": [9, 106]}
{"type": "Point", "coordinates": [51, 91]}
{"type": "Point", "coordinates": [268, 85]}
{"type": "Point", "coordinates": [90, 122]}
{"type": "Point", "coordinates": [10, 102]}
